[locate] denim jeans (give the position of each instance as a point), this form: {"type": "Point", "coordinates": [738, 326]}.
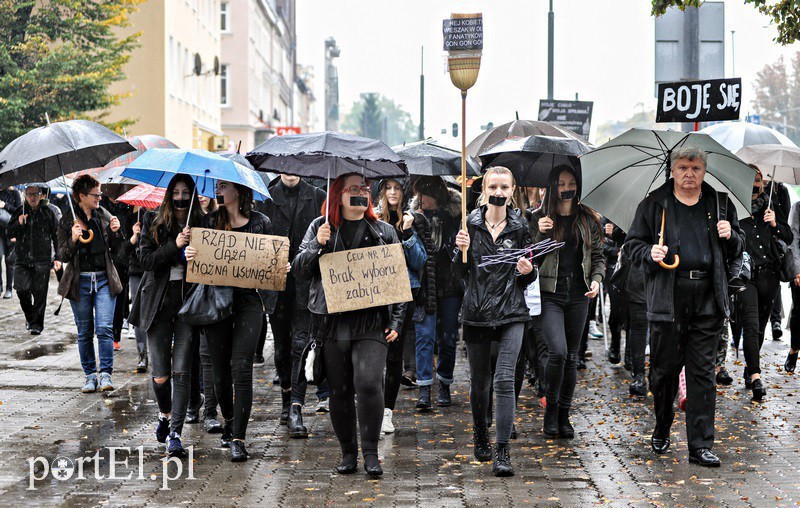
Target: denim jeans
{"type": "Point", "coordinates": [94, 315]}
{"type": "Point", "coordinates": [447, 335]}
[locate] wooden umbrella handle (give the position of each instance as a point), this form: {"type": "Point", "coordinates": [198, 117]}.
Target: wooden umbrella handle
{"type": "Point", "coordinates": [675, 264]}
{"type": "Point", "coordinates": [86, 240]}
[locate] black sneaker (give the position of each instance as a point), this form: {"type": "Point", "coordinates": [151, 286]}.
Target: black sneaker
{"type": "Point", "coordinates": [777, 332]}
{"type": "Point", "coordinates": [162, 430]}
{"type": "Point", "coordinates": [791, 362]}
{"type": "Point", "coordinates": [174, 446]}
{"type": "Point", "coordinates": [502, 461]}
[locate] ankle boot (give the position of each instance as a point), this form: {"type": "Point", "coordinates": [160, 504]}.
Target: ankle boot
{"type": "Point", "coordinates": [791, 362]}
{"type": "Point", "coordinates": [349, 463]}
{"type": "Point", "coordinates": [443, 400]}
{"type": "Point", "coordinates": [639, 386]}
{"type": "Point", "coordinates": [481, 445]}
{"type": "Point", "coordinates": [502, 461]}
{"type": "Point", "coordinates": [296, 427]}
{"type": "Point", "coordinates": [550, 427]}
{"type": "Point", "coordinates": [238, 451]}
{"type": "Point", "coordinates": [759, 391]}
{"type": "Point", "coordinates": [613, 350]}
{"type": "Point", "coordinates": [372, 465]}
{"type": "Point", "coordinates": [286, 399]}
{"type": "Point", "coordinates": [424, 402]}
{"type": "Point", "coordinates": [565, 429]}
{"type": "Point", "coordinates": [227, 434]}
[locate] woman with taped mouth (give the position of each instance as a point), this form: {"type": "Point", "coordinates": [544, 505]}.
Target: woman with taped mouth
{"type": "Point", "coordinates": [569, 278]}
{"type": "Point", "coordinates": [232, 342]}
{"type": "Point", "coordinates": [164, 237]}
{"type": "Point", "coordinates": [494, 310]}
{"type": "Point", "coordinates": [355, 343]}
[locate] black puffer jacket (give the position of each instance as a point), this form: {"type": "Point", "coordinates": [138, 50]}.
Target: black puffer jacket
{"type": "Point", "coordinates": [37, 239]}
{"type": "Point", "coordinates": [306, 264]}
{"type": "Point", "coordinates": [495, 294]}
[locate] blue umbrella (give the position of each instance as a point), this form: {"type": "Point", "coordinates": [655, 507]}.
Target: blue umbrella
{"type": "Point", "coordinates": [157, 166]}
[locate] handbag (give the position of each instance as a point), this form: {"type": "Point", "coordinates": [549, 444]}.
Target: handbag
{"type": "Point", "coordinates": [785, 261]}
{"type": "Point", "coordinates": [207, 305]}
{"type": "Point", "coordinates": [738, 269]}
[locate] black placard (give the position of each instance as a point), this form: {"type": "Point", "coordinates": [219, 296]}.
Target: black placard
{"type": "Point", "coordinates": [462, 34]}
{"type": "Point", "coordinates": [574, 115]}
{"type": "Point", "coordinates": [699, 101]}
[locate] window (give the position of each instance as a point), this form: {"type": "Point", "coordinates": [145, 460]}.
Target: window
{"type": "Point", "coordinates": [223, 17]}
{"type": "Point", "coordinates": [223, 85]}
{"type": "Point", "coordinates": [171, 66]}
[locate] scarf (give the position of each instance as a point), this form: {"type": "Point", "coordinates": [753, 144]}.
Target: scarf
{"type": "Point", "coordinates": [759, 203]}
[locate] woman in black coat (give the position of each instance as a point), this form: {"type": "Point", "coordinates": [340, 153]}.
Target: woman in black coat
{"type": "Point", "coordinates": [494, 310]}
{"type": "Point", "coordinates": [160, 295]}
{"type": "Point", "coordinates": [356, 342]}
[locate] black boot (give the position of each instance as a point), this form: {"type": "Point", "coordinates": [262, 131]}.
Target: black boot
{"type": "Point", "coordinates": [759, 392]}
{"type": "Point", "coordinates": [443, 400]}
{"type": "Point", "coordinates": [372, 465]}
{"type": "Point", "coordinates": [141, 367]}
{"type": "Point", "coordinates": [565, 429]}
{"type": "Point", "coordinates": [227, 434]}
{"type": "Point", "coordinates": [349, 463]}
{"type": "Point", "coordinates": [238, 452]}
{"type": "Point", "coordinates": [286, 398]}
{"type": "Point", "coordinates": [296, 427]}
{"type": "Point", "coordinates": [723, 378]}
{"type": "Point", "coordinates": [424, 402]}
{"type": "Point", "coordinates": [502, 461]}
{"type": "Point", "coordinates": [639, 386]}
{"type": "Point", "coordinates": [482, 447]}
{"type": "Point", "coordinates": [791, 362]}
{"type": "Point", "coordinates": [748, 383]}
{"type": "Point", "coordinates": [550, 427]}
{"type": "Point", "coordinates": [613, 350]}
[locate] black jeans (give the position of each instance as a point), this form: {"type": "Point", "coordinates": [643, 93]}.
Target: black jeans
{"type": "Point", "coordinates": [563, 318]}
{"type": "Point", "coordinates": [210, 405]}
{"type": "Point", "coordinates": [617, 318]}
{"type": "Point", "coordinates": [290, 330]}
{"type": "Point", "coordinates": [7, 252]}
{"type": "Point", "coordinates": [394, 358]}
{"type": "Point", "coordinates": [232, 345]}
{"type": "Point", "coordinates": [794, 317]}
{"type": "Point", "coordinates": [354, 368]}
{"type": "Point", "coordinates": [31, 285]}
{"type": "Point", "coordinates": [121, 307]}
{"type": "Point", "coordinates": [690, 340]}
{"type": "Point", "coordinates": [488, 372]}
{"type": "Point", "coordinates": [755, 307]}
{"type": "Point", "coordinates": [636, 336]}
{"type": "Point", "coordinates": [171, 343]}
{"type": "Point", "coordinates": [530, 353]}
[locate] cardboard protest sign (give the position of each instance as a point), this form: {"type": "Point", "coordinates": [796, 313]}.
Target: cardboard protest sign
{"type": "Point", "coordinates": [361, 278]}
{"type": "Point", "coordinates": [244, 260]}
{"type": "Point", "coordinates": [574, 115]}
{"type": "Point", "coordinates": [699, 101]}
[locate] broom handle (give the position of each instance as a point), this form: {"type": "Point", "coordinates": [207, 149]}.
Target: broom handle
{"type": "Point", "coordinates": [464, 167]}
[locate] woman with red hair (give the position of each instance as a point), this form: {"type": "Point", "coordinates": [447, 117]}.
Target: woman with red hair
{"type": "Point", "coordinates": [356, 342]}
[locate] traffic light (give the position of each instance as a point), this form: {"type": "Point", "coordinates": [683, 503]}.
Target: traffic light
{"type": "Point", "coordinates": [455, 130]}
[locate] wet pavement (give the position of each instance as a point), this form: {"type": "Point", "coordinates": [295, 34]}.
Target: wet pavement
{"type": "Point", "coordinates": [428, 461]}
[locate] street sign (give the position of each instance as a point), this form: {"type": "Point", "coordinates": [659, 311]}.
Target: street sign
{"type": "Point", "coordinates": [463, 34]}
{"type": "Point", "coordinates": [756, 119]}
{"type": "Point", "coordinates": [574, 115]}
{"type": "Point", "coordinates": [280, 131]}
{"type": "Point", "coordinates": [699, 101]}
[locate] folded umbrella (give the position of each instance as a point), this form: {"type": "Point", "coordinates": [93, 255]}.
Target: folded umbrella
{"type": "Point", "coordinates": [618, 175]}
{"type": "Point", "coordinates": [144, 195]}
{"type": "Point", "coordinates": [426, 158]}
{"type": "Point", "coordinates": [532, 158]}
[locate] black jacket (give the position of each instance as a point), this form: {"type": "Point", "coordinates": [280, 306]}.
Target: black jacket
{"type": "Point", "coordinates": [306, 264]}
{"type": "Point", "coordinates": [128, 254]}
{"type": "Point", "coordinates": [156, 261]}
{"type": "Point", "coordinates": [309, 204]}
{"type": "Point", "coordinates": [644, 233]}
{"type": "Point", "coordinates": [758, 237]}
{"type": "Point", "coordinates": [495, 294]}
{"type": "Point", "coordinates": [37, 239]}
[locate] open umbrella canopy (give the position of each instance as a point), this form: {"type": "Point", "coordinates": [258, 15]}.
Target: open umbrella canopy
{"type": "Point", "coordinates": [736, 135]}
{"type": "Point", "coordinates": [426, 158]}
{"type": "Point", "coordinates": [240, 159]}
{"type": "Point", "coordinates": [776, 162]}
{"type": "Point", "coordinates": [157, 166]}
{"type": "Point", "coordinates": [517, 129]}
{"type": "Point", "coordinates": [532, 158]}
{"type": "Point", "coordinates": [144, 195]}
{"type": "Point", "coordinates": [618, 175]}
{"type": "Point", "coordinates": [48, 152]}
{"type": "Point", "coordinates": [327, 155]}
{"type": "Point", "coordinates": [110, 173]}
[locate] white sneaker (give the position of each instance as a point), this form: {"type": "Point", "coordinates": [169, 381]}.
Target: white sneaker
{"type": "Point", "coordinates": [387, 427]}
{"type": "Point", "coordinates": [594, 332]}
{"type": "Point", "coordinates": [322, 406]}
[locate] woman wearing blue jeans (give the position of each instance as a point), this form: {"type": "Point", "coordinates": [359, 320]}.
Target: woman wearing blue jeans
{"type": "Point", "coordinates": [90, 280]}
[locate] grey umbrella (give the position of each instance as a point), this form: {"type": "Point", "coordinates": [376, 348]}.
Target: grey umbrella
{"type": "Point", "coordinates": [618, 175]}
{"type": "Point", "coordinates": [426, 158]}
{"type": "Point", "coordinates": [240, 159]}
{"type": "Point", "coordinates": [532, 158]}
{"type": "Point", "coordinates": [517, 128]}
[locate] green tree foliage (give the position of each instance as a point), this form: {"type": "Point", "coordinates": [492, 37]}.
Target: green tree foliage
{"type": "Point", "coordinates": [777, 97]}
{"type": "Point", "coordinates": [784, 13]}
{"type": "Point", "coordinates": [367, 116]}
{"type": "Point", "coordinates": [59, 57]}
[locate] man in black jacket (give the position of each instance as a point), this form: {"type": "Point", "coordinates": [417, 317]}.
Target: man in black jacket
{"type": "Point", "coordinates": [686, 306]}
{"type": "Point", "coordinates": [10, 201]}
{"type": "Point", "coordinates": [294, 205]}
{"type": "Point", "coordinates": [35, 227]}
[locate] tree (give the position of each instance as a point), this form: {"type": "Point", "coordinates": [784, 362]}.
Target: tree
{"type": "Point", "coordinates": [371, 117]}
{"type": "Point", "coordinates": [399, 125]}
{"type": "Point", "coordinates": [777, 97]}
{"type": "Point", "coordinates": [59, 57]}
{"type": "Point", "coordinates": [645, 119]}
{"type": "Point", "coordinates": [784, 13]}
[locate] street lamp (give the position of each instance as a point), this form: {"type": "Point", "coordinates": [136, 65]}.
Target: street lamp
{"type": "Point", "coordinates": [331, 85]}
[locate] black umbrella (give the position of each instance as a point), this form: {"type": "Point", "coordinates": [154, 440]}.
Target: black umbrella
{"type": "Point", "coordinates": [327, 155]}
{"type": "Point", "coordinates": [532, 158]}
{"type": "Point", "coordinates": [429, 159]}
{"type": "Point", "coordinates": [48, 152]}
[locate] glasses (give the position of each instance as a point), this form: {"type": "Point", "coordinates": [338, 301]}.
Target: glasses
{"type": "Point", "coordinates": [96, 196]}
{"type": "Point", "coordinates": [358, 189]}
{"type": "Point", "coordinates": [33, 194]}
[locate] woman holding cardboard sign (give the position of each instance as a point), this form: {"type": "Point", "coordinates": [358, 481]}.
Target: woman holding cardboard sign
{"type": "Point", "coordinates": [162, 290]}
{"type": "Point", "coordinates": [355, 343]}
{"type": "Point", "coordinates": [232, 342]}
{"type": "Point", "coordinates": [494, 310]}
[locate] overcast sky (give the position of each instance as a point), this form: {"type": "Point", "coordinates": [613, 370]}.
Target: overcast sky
{"type": "Point", "coordinates": [603, 54]}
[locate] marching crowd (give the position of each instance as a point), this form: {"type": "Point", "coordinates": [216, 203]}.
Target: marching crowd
{"type": "Point", "coordinates": [524, 321]}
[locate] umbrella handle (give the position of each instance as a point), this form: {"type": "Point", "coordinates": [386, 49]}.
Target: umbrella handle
{"type": "Point", "coordinates": [86, 240]}
{"type": "Point", "coordinates": [677, 261]}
